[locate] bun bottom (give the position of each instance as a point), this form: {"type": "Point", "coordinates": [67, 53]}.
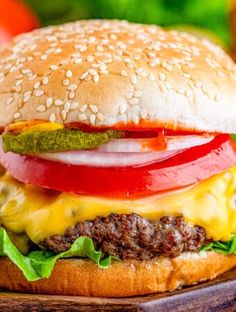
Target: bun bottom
{"type": "Point", "coordinates": [123, 278]}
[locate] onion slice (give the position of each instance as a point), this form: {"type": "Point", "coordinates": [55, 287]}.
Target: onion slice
{"type": "Point", "coordinates": [107, 159]}
{"type": "Point", "coordinates": [125, 152]}
{"type": "Point", "coordinates": [148, 144]}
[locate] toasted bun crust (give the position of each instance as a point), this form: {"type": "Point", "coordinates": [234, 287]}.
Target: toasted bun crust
{"type": "Point", "coordinates": [122, 279]}
{"type": "Point", "coordinates": [113, 73]}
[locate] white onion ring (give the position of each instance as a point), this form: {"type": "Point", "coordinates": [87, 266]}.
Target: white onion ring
{"type": "Point", "coordinates": [141, 145]}
{"type": "Point", "coordinates": [106, 159]}
{"type": "Point", "coordinates": [125, 152]}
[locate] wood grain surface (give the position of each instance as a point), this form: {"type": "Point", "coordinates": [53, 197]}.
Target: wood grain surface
{"type": "Point", "coordinates": [218, 295]}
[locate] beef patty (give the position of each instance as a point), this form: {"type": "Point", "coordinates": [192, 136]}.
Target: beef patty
{"type": "Point", "coordinates": [129, 236]}
{"type": "Point", "coordinates": [133, 237]}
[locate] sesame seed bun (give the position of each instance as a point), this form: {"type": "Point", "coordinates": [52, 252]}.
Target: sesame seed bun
{"type": "Point", "coordinates": [123, 278]}
{"type": "Point", "coordinates": [114, 73]}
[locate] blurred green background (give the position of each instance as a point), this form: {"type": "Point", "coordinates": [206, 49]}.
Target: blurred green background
{"type": "Point", "coordinates": [210, 15]}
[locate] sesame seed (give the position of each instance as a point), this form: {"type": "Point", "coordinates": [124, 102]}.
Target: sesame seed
{"type": "Point", "coordinates": [9, 100]}
{"type": "Point", "coordinates": [66, 82]}
{"type": "Point", "coordinates": [99, 48]}
{"type": "Point", "coordinates": [137, 57]}
{"type": "Point", "coordinates": [69, 74]}
{"type": "Point", "coordinates": [43, 57]}
{"type": "Point", "coordinates": [58, 50]}
{"type": "Point", "coordinates": [45, 80]}
{"type": "Point", "coordinates": [134, 101]}
{"type": "Point", "coordinates": [52, 117]}
{"type": "Point", "coordinates": [82, 117]}
{"type": "Point", "coordinates": [127, 60]}
{"type": "Point", "coordinates": [151, 54]}
{"type": "Point", "coordinates": [84, 75]}
{"type": "Point", "coordinates": [83, 48]}
{"type": "Point", "coordinates": [71, 95]}
{"type": "Point", "coordinates": [72, 87]}
{"type": "Point", "coordinates": [93, 108]}
{"type": "Point", "coordinates": [19, 82]}
{"type": "Point", "coordinates": [83, 108]}
{"type": "Point", "coordinates": [49, 102]}
{"type": "Point", "coordinates": [133, 79]}
{"type": "Point", "coordinates": [53, 67]}
{"type": "Point", "coordinates": [96, 78]}
{"type": "Point", "coordinates": [41, 108]}
{"type": "Point", "coordinates": [78, 61]}
{"type": "Point", "coordinates": [58, 102]}
{"type": "Point", "coordinates": [37, 85]}
{"type": "Point", "coordinates": [63, 114]}
{"type": "Point", "coordinates": [32, 77]}
{"type": "Point", "coordinates": [103, 71]}
{"type": "Point", "coordinates": [90, 58]}
{"type": "Point", "coordinates": [108, 60]}
{"type": "Point", "coordinates": [26, 97]}
{"type": "Point", "coordinates": [26, 71]}
{"type": "Point", "coordinates": [67, 107]}
{"type": "Point", "coordinates": [92, 72]}
{"type": "Point", "coordinates": [38, 92]}
{"type": "Point", "coordinates": [17, 115]}
{"type": "Point", "coordinates": [92, 119]}
{"type": "Point", "coordinates": [92, 39]}
{"type": "Point", "coordinates": [141, 72]}
{"type": "Point", "coordinates": [113, 37]}
{"type": "Point", "coordinates": [124, 73]}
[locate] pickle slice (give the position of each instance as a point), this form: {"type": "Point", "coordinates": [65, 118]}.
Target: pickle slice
{"type": "Point", "coordinates": [57, 140]}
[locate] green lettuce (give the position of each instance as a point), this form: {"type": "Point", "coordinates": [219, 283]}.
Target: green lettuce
{"type": "Point", "coordinates": [39, 264]}
{"type": "Point", "coordinates": [227, 248]}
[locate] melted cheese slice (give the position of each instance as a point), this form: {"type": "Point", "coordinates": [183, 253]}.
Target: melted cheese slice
{"type": "Point", "coordinates": [41, 213]}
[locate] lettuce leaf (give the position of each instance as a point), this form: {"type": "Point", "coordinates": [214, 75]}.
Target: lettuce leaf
{"type": "Point", "coordinates": [39, 264]}
{"type": "Point", "coordinates": [227, 248]}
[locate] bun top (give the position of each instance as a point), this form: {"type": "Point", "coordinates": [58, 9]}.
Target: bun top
{"type": "Point", "coordinates": [113, 73]}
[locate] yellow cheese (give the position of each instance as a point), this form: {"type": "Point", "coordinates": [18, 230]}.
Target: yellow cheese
{"type": "Point", "coordinates": [34, 125]}
{"type": "Point", "coordinates": [40, 213]}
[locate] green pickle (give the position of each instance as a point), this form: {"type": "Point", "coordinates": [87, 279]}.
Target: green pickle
{"type": "Point", "coordinates": [56, 140]}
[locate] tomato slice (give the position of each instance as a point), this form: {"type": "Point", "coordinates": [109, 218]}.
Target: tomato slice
{"type": "Point", "coordinates": [188, 167]}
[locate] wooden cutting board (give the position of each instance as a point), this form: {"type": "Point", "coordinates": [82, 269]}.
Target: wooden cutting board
{"type": "Point", "coordinates": [218, 295]}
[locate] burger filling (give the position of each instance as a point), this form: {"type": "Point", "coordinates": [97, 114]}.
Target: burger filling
{"type": "Point", "coordinates": [133, 237]}
{"type": "Point", "coordinates": [113, 195]}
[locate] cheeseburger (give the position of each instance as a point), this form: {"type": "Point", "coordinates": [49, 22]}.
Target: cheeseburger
{"type": "Point", "coordinates": [120, 171]}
